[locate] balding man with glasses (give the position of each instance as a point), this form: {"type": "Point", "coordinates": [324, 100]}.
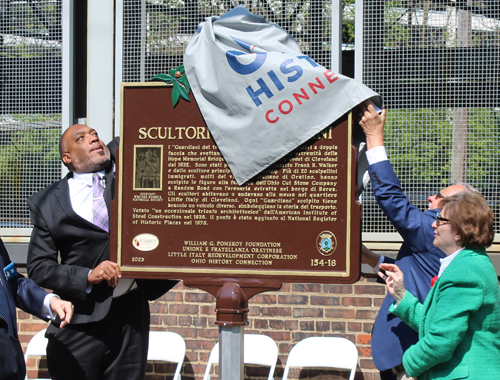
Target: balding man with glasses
{"type": "Point", "coordinates": [417, 258]}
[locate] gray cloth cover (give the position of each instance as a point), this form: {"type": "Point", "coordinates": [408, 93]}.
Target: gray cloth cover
{"type": "Point", "coordinates": [259, 95]}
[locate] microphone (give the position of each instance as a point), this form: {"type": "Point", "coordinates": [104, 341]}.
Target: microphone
{"type": "Point", "coordinates": [104, 182]}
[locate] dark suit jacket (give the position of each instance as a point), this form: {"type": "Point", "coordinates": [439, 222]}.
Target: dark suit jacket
{"type": "Point", "coordinates": [23, 293]}
{"type": "Point", "coordinates": [29, 297]}
{"type": "Point", "coordinates": [64, 247]}
{"type": "Point", "coordinates": [417, 258]}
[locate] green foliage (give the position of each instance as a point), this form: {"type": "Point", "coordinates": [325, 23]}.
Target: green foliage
{"type": "Point", "coordinates": [396, 32]}
{"type": "Point", "coordinates": [419, 144]}
{"type": "Point", "coordinates": [348, 12]}
{"type": "Point", "coordinates": [32, 24]}
{"type": "Point", "coordinates": [26, 158]}
{"type": "Point", "coordinates": [30, 153]}
{"type": "Point", "coordinates": [179, 80]}
{"type": "Point", "coordinates": [483, 154]}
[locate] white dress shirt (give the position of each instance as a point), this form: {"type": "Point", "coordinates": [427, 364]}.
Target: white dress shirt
{"type": "Point", "coordinates": [376, 154]}
{"type": "Point", "coordinates": [81, 196]}
{"type": "Point", "coordinates": [446, 261]}
{"type": "Point", "coordinates": [46, 310]}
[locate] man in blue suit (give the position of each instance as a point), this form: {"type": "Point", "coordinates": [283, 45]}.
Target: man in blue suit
{"type": "Point", "coordinates": [16, 290]}
{"type": "Point", "coordinates": [418, 259]}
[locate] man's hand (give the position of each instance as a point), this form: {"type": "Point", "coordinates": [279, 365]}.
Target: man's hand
{"type": "Point", "coordinates": [64, 309]}
{"type": "Point", "coordinates": [105, 271]}
{"type": "Point", "coordinates": [372, 124]}
{"type": "Point", "coordinates": [394, 279]}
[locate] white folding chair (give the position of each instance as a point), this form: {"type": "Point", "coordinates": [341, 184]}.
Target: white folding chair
{"type": "Point", "coordinates": [37, 346]}
{"type": "Point", "coordinates": [167, 346]}
{"type": "Point", "coordinates": [321, 352]}
{"type": "Point", "coordinates": [257, 349]}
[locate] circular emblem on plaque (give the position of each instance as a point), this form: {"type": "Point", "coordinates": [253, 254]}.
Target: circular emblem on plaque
{"type": "Point", "coordinates": [326, 243]}
{"type": "Point", "coordinates": [145, 242]}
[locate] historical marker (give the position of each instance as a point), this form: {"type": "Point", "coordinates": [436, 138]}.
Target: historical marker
{"type": "Point", "coordinates": [179, 213]}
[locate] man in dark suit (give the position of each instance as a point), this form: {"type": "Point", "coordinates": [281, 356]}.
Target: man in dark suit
{"type": "Point", "coordinates": [69, 253]}
{"type": "Point", "coordinates": [418, 259]}
{"type": "Point", "coordinates": [16, 290]}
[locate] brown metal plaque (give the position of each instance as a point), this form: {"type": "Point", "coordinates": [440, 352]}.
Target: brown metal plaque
{"type": "Point", "coordinates": [178, 212]}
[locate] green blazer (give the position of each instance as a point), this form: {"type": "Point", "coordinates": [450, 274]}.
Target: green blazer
{"type": "Point", "coordinates": [458, 324]}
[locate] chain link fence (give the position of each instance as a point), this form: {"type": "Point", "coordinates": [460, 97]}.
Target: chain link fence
{"type": "Point", "coordinates": [30, 104]}
{"type": "Point", "coordinates": [435, 64]}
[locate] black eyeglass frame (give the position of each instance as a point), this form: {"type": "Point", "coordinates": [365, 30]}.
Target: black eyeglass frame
{"type": "Point", "coordinates": [440, 220]}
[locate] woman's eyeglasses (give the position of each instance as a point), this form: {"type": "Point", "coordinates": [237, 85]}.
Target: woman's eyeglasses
{"type": "Point", "coordinates": [440, 220]}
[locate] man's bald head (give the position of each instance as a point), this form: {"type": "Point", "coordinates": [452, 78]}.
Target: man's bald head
{"type": "Point", "coordinates": [435, 200]}
{"type": "Point", "coordinates": [82, 151]}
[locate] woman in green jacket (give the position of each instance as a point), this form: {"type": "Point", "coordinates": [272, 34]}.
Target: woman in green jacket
{"type": "Point", "coordinates": [459, 322]}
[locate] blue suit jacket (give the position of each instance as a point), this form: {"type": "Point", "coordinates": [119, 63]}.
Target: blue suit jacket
{"type": "Point", "coordinates": [418, 259]}
{"type": "Point", "coordinates": [25, 294]}
{"type": "Point", "coordinates": [22, 292]}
